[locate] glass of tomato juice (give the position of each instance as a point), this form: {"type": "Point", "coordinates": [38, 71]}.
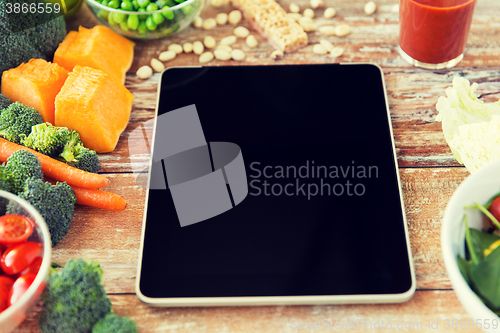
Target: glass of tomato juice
{"type": "Point", "coordinates": [433, 33]}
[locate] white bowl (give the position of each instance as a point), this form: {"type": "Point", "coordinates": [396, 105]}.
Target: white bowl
{"type": "Point", "coordinates": [478, 187]}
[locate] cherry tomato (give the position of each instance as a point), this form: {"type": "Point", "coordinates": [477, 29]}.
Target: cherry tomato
{"type": "Point", "coordinates": [34, 267]}
{"type": "Point", "coordinates": [495, 211]}
{"type": "Point", "coordinates": [14, 228]}
{"type": "Point", "coordinates": [5, 286]}
{"type": "Point", "coordinates": [19, 287]}
{"type": "Point", "coordinates": [16, 258]}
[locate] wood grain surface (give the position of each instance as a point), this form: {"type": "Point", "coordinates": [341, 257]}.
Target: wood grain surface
{"type": "Point", "coordinates": [429, 176]}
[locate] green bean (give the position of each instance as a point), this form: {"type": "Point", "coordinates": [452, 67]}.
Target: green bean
{"type": "Point", "coordinates": [152, 7]}
{"type": "Point", "coordinates": [143, 29]}
{"type": "Point", "coordinates": [133, 22]}
{"type": "Point", "coordinates": [168, 15]}
{"type": "Point", "coordinates": [158, 18]}
{"type": "Point", "coordinates": [120, 17]}
{"type": "Point", "coordinates": [124, 26]}
{"type": "Point", "coordinates": [143, 3]}
{"type": "Point", "coordinates": [150, 24]}
{"type": "Point", "coordinates": [115, 4]}
{"type": "Point", "coordinates": [127, 5]}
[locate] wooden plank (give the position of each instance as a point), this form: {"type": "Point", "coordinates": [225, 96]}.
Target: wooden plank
{"type": "Point", "coordinates": [373, 38]}
{"type": "Point", "coordinates": [427, 311]}
{"type": "Point", "coordinates": [113, 238]}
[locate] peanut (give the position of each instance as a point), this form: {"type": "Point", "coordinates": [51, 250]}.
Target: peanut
{"type": "Point", "coordinates": [144, 72]}
{"type": "Point", "coordinates": [317, 4]}
{"type": "Point", "coordinates": [234, 17]}
{"type": "Point", "coordinates": [206, 57]}
{"type": "Point", "coordinates": [221, 18]}
{"type": "Point", "coordinates": [294, 8]}
{"type": "Point", "coordinates": [238, 55]}
{"type": "Point", "coordinates": [336, 52]}
{"type": "Point", "coordinates": [224, 47]}
{"type": "Point", "coordinates": [241, 32]}
{"type": "Point", "coordinates": [342, 30]}
{"type": "Point", "coordinates": [295, 16]}
{"type": "Point", "coordinates": [330, 12]}
{"type": "Point", "coordinates": [198, 47]}
{"type": "Point", "coordinates": [308, 12]}
{"type": "Point", "coordinates": [277, 54]}
{"type": "Point", "coordinates": [251, 41]}
{"type": "Point", "coordinates": [319, 49]}
{"type": "Point", "coordinates": [209, 42]}
{"type": "Point", "coordinates": [229, 40]}
{"type": "Point", "coordinates": [222, 54]}
{"type": "Point", "coordinates": [176, 48]}
{"type": "Point", "coordinates": [198, 22]}
{"type": "Point", "coordinates": [187, 47]}
{"type": "Point", "coordinates": [327, 30]}
{"type": "Point", "coordinates": [157, 65]}
{"type": "Point", "coordinates": [167, 55]}
{"type": "Point", "coordinates": [370, 8]}
{"type": "Point", "coordinates": [209, 24]}
{"type": "Point", "coordinates": [326, 44]}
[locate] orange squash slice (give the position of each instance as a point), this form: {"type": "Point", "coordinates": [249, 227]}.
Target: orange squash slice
{"type": "Point", "coordinates": [96, 105]}
{"type": "Point", "coordinates": [35, 84]}
{"type": "Point", "coordinates": [99, 48]}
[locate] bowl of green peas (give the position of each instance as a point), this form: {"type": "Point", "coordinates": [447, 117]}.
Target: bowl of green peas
{"type": "Point", "coordinates": [146, 19]}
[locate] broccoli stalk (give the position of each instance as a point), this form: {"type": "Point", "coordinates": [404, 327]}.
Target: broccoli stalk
{"type": "Point", "coordinates": [56, 203]}
{"type": "Point", "coordinates": [112, 323]}
{"type": "Point", "coordinates": [16, 121]}
{"type": "Point", "coordinates": [74, 299]}
{"type": "Point", "coordinates": [47, 139]}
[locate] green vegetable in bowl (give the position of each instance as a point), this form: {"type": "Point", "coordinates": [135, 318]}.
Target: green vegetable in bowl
{"type": "Point", "coordinates": [481, 267]}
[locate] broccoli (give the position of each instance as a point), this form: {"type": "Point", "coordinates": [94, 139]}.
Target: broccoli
{"type": "Point", "coordinates": [47, 139]}
{"type": "Point", "coordinates": [85, 159]}
{"type": "Point", "coordinates": [16, 120]}
{"type": "Point", "coordinates": [22, 165]}
{"type": "Point", "coordinates": [74, 299]}
{"type": "Point", "coordinates": [56, 203]}
{"type": "Point", "coordinates": [113, 323]}
{"type": "Point", "coordinates": [6, 180]}
{"type": "Point", "coordinates": [4, 102]}
{"type": "Point", "coordinates": [27, 35]}
{"type": "Point", "coordinates": [76, 155]}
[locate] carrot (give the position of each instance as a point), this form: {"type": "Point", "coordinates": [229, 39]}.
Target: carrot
{"type": "Point", "coordinates": [56, 169]}
{"type": "Point", "coordinates": [96, 198]}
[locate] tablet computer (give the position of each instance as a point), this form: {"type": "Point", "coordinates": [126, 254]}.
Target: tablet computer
{"type": "Point", "coordinates": [273, 185]}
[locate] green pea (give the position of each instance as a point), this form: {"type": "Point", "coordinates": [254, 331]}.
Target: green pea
{"type": "Point", "coordinates": [124, 26]}
{"type": "Point", "coordinates": [152, 7]}
{"type": "Point", "coordinates": [142, 17]}
{"type": "Point", "coordinates": [120, 17]}
{"type": "Point", "coordinates": [142, 28]}
{"type": "Point", "coordinates": [143, 3]}
{"type": "Point", "coordinates": [133, 22]}
{"type": "Point", "coordinates": [150, 24]}
{"type": "Point", "coordinates": [158, 18]}
{"type": "Point", "coordinates": [114, 4]}
{"type": "Point", "coordinates": [162, 3]}
{"type": "Point", "coordinates": [135, 3]}
{"type": "Point", "coordinates": [186, 9]}
{"type": "Point", "coordinates": [111, 19]}
{"type": "Point", "coordinates": [168, 15]}
{"type": "Point", "coordinates": [127, 5]}
{"type": "Point", "coordinates": [102, 13]}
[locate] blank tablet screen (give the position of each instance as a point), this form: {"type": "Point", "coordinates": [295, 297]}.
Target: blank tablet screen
{"type": "Point", "coordinates": [322, 214]}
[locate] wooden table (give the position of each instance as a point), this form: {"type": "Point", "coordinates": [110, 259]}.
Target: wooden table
{"type": "Point", "coordinates": [428, 171]}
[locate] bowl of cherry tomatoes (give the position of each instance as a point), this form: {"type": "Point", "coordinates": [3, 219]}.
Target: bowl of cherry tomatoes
{"type": "Point", "coordinates": [25, 251]}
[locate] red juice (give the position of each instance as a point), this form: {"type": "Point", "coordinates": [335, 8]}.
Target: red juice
{"type": "Point", "coordinates": [434, 31]}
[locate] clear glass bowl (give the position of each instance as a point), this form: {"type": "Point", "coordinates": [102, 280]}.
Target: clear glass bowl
{"type": "Point", "coordinates": [173, 19]}
{"type": "Point", "coordinates": [11, 317]}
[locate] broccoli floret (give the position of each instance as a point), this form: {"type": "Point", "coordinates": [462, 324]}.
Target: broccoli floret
{"type": "Point", "coordinates": [56, 203]}
{"type": "Point", "coordinates": [85, 159]}
{"type": "Point", "coordinates": [4, 102]}
{"type": "Point", "coordinates": [24, 36]}
{"type": "Point", "coordinates": [47, 139]}
{"type": "Point", "coordinates": [74, 299]}
{"type": "Point", "coordinates": [17, 120]}
{"type": "Point", "coordinates": [22, 165]}
{"type": "Point", "coordinates": [68, 153]}
{"type": "Point", "coordinates": [113, 323]}
{"type": "Point", "coordinates": [6, 180]}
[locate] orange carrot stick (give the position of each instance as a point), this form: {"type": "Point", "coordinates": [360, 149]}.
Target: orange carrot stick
{"type": "Point", "coordinates": [56, 169]}
{"type": "Point", "coordinates": [96, 198]}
